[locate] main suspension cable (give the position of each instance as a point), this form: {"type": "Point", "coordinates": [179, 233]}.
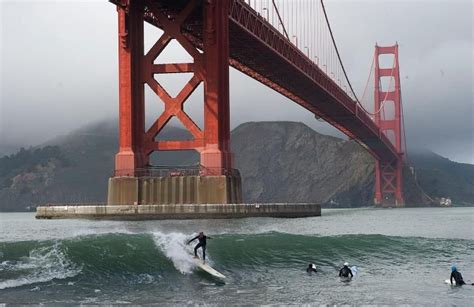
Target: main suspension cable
{"type": "Point", "coordinates": [337, 51]}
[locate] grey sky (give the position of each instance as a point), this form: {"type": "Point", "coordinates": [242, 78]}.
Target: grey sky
{"type": "Point", "coordinates": [59, 69]}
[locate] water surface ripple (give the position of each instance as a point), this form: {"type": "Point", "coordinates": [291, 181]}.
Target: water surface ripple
{"type": "Point", "coordinates": [403, 256]}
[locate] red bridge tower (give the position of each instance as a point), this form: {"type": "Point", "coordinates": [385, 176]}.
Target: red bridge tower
{"type": "Point", "coordinates": [389, 173]}
{"type": "Point", "coordinates": [135, 182]}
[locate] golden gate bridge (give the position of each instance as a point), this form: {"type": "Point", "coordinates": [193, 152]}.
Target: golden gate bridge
{"type": "Point", "coordinates": [287, 45]}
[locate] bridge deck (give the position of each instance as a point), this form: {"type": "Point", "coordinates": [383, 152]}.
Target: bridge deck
{"type": "Point", "coordinates": [260, 51]}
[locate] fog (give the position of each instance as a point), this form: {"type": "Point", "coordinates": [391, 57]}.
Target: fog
{"type": "Point", "coordinates": [59, 69]}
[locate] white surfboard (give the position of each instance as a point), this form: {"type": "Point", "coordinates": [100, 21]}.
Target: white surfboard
{"type": "Point", "coordinates": [207, 268]}
{"type": "Point", "coordinates": [354, 270]}
{"type": "Point", "coordinates": [447, 281]}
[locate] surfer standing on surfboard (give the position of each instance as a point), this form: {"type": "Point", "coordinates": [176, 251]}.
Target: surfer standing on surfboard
{"type": "Point", "coordinates": [202, 244]}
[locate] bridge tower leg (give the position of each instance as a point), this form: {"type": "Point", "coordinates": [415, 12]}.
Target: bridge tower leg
{"type": "Point", "coordinates": [389, 174]}
{"type": "Point", "coordinates": [134, 182]}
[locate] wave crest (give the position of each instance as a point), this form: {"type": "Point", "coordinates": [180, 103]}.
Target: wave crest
{"type": "Point", "coordinates": [43, 264]}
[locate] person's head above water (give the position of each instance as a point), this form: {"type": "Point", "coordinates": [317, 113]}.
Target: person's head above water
{"type": "Point", "coordinates": [201, 234]}
{"type": "Point", "coordinates": [453, 268]}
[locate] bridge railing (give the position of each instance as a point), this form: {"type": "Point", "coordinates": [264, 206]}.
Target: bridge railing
{"type": "Point", "coordinates": [305, 24]}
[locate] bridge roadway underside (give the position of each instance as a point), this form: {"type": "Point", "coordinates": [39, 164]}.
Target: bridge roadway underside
{"type": "Point", "coordinates": [260, 51]}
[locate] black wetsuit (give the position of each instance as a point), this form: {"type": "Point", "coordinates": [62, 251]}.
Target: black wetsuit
{"type": "Point", "coordinates": [345, 272]}
{"type": "Point", "coordinates": [310, 270]}
{"type": "Point", "coordinates": [202, 243]}
{"type": "Point", "coordinates": [458, 278]}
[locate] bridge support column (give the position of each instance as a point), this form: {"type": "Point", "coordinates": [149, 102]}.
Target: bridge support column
{"type": "Point", "coordinates": [131, 154]}
{"type": "Point", "coordinates": [389, 174]}
{"type": "Point", "coordinates": [388, 183]}
{"type": "Point", "coordinates": [216, 154]}
{"type": "Point", "coordinates": [216, 181]}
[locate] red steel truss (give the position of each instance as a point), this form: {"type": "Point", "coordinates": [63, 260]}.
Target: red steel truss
{"type": "Point", "coordinates": [219, 33]}
{"type": "Point", "coordinates": [137, 69]}
{"type": "Point", "coordinates": [389, 173]}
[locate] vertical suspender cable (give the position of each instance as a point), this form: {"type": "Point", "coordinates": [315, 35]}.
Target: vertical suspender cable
{"type": "Point", "coordinates": [279, 18]}
{"type": "Point", "coordinates": [337, 52]}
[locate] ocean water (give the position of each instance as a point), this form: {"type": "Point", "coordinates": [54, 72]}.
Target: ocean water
{"type": "Point", "coordinates": [403, 257]}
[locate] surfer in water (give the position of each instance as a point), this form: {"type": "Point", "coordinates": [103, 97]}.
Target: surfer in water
{"type": "Point", "coordinates": [456, 275]}
{"type": "Point", "coordinates": [202, 244]}
{"type": "Point", "coordinates": [345, 271]}
{"type": "Point", "coordinates": [311, 268]}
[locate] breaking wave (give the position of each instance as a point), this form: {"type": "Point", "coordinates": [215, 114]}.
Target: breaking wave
{"type": "Point", "coordinates": [150, 257]}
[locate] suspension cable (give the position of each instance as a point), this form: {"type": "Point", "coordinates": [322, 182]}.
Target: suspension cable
{"type": "Point", "coordinates": [404, 135]}
{"type": "Point", "coordinates": [382, 105]}
{"type": "Point", "coordinates": [337, 51]}
{"type": "Point", "coordinates": [344, 70]}
{"type": "Point", "coordinates": [281, 21]}
{"type": "Point", "coordinates": [368, 79]}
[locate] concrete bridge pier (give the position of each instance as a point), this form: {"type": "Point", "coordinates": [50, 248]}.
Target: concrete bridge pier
{"type": "Point", "coordinates": [174, 190]}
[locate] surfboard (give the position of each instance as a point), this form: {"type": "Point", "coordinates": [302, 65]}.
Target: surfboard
{"type": "Point", "coordinates": [354, 270]}
{"type": "Point", "coordinates": [207, 268]}
{"type": "Point", "coordinates": [447, 281]}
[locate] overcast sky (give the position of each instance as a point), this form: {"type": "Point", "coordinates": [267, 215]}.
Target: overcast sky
{"type": "Point", "coordinates": [59, 69]}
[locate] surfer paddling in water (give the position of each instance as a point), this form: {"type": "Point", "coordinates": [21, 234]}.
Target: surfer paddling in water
{"type": "Point", "coordinates": [456, 275]}
{"type": "Point", "coordinates": [202, 244]}
{"type": "Point", "coordinates": [345, 271]}
{"type": "Point", "coordinates": [311, 268]}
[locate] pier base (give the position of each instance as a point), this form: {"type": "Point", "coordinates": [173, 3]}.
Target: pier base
{"type": "Point", "coordinates": [174, 190]}
{"type": "Point", "coordinates": [189, 211]}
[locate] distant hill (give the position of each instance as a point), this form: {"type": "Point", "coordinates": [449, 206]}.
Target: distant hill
{"type": "Point", "coordinates": [290, 162]}
{"type": "Point", "coordinates": [441, 177]}
{"type": "Point", "coordinates": [7, 148]}
{"type": "Point", "coordinates": [278, 161]}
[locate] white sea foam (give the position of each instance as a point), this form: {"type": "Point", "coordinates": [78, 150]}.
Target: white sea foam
{"type": "Point", "coordinates": [174, 247]}
{"type": "Point", "coordinates": [145, 279]}
{"type": "Point", "coordinates": [42, 265]}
